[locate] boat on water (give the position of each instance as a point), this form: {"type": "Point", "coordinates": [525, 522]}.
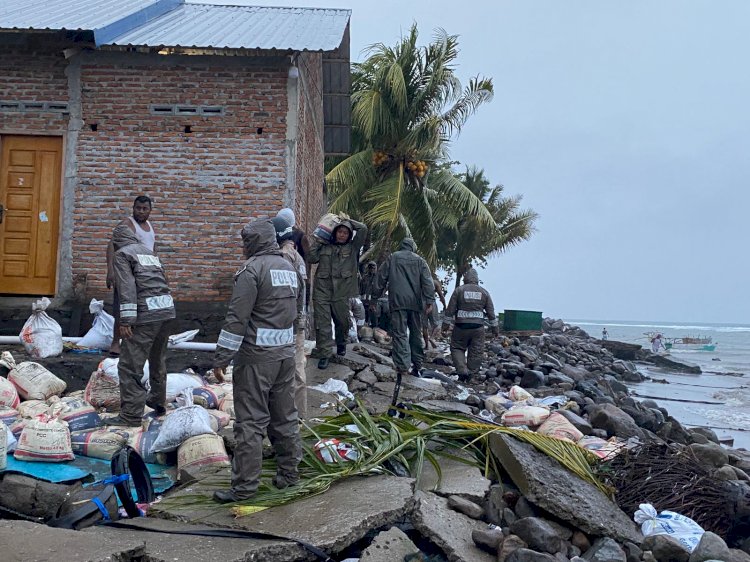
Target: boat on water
{"type": "Point", "coordinates": [699, 343]}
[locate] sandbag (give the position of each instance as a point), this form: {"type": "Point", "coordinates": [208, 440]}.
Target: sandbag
{"type": "Point", "coordinates": [8, 393]}
{"type": "Point", "coordinates": [98, 443]}
{"type": "Point", "coordinates": [227, 405]}
{"type": "Point", "coordinates": [41, 336]}
{"type": "Point", "coordinates": [518, 394]}
{"type": "Point", "coordinates": [79, 414]}
{"type": "Point", "coordinates": [10, 439]}
{"type": "Point", "coordinates": [8, 415]}
{"type": "Point", "coordinates": [34, 382]}
{"type": "Point", "coordinates": [219, 419]}
{"type": "Point", "coordinates": [525, 415]}
{"type": "Point", "coordinates": [209, 396]}
{"type": "Point", "coordinates": [200, 452]}
{"type": "Point", "coordinates": [32, 408]}
{"type": "Point", "coordinates": [100, 334]}
{"type": "Point", "coordinates": [44, 439]}
{"type": "Point", "coordinates": [103, 390]}
{"type": "Point", "coordinates": [179, 426]}
{"type": "Point", "coordinates": [600, 447]}
{"type": "Point", "coordinates": [177, 382]}
{"type": "Point", "coordinates": [558, 426]}
{"type": "Point", "coordinates": [142, 440]}
{"type": "Point", "coordinates": [679, 527]}
{"type": "Point", "coordinates": [326, 225]}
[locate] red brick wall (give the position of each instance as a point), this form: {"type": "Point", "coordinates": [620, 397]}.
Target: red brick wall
{"type": "Point", "coordinates": [205, 185]}
{"type": "Point", "coordinates": [310, 202]}
{"type": "Point", "coordinates": [32, 74]}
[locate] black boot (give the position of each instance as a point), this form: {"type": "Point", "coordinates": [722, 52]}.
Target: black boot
{"type": "Point", "coordinates": [228, 496]}
{"type": "Point", "coordinates": [341, 349]}
{"type": "Point", "coordinates": [323, 363]}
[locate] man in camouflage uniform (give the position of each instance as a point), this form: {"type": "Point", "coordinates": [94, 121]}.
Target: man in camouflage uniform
{"type": "Point", "coordinates": [469, 304]}
{"type": "Point", "coordinates": [258, 334]}
{"type": "Point", "coordinates": [335, 283]}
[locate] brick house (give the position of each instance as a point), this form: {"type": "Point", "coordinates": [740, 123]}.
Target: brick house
{"type": "Point", "coordinates": [218, 113]}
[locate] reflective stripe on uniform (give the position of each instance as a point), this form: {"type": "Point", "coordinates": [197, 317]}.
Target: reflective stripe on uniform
{"type": "Point", "coordinates": [283, 278]}
{"type": "Point", "coordinates": [160, 302]}
{"type": "Point", "coordinates": [229, 340]}
{"type": "Point", "coordinates": [148, 260]}
{"type": "Point", "coordinates": [472, 295]}
{"type": "Point", "coordinates": [268, 337]}
{"type": "Point", "coordinates": [470, 314]}
{"type": "Point", "coordinates": [128, 310]}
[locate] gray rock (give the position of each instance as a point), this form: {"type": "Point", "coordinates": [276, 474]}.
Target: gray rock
{"type": "Point", "coordinates": [467, 507]}
{"type": "Point", "coordinates": [458, 479]}
{"type": "Point", "coordinates": [565, 533]}
{"type": "Point", "coordinates": [357, 386]}
{"type": "Point", "coordinates": [389, 545]}
{"type": "Point", "coordinates": [605, 550]}
{"type": "Point", "coordinates": [446, 406]}
{"type": "Point", "coordinates": [632, 551]}
{"type": "Point", "coordinates": [725, 473]}
{"type": "Point", "coordinates": [548, 485]}
{"type": "Point", "coordinates": [707, 433]}
{"type": "Point", "coordinates": [710, 454]}
{"type": "Point", "coordinates": [698, 438]}
{"type": "Point", "coordinates": [510, 544]}
{"type": "Point", "coordinates": [524, 509]}
{"type": "Point", "coordinates": [532, 379]}
{"type": "Point", "coordinates": [556, 377]}
{"type": "Point", "coordinates": [711, 547]}
{"type": "Point", "coordinates": [526, 555]}
{"type": "Point", "coordinates": [575, 373]}
{"type": "Point", "coordinates": [736, 555]}
{"type": "Point", "coordinates": [648, 556]}
{"type": "Point", "coordinates": [30, 496]}
{"type": "Point", "coordinates": [447, 529]}
{"type": "Point", "coordinates": [665, 548]}
{"type": "Point", "coordinates": [578, 422]}
{"type": "Point", "coordinates": [538, 534]}
{"type": "Point", "coordinates": [581, 541]}
{"type": "Point", "coordinates": [741, 474]}
{"type": "Point", "coordinates": [614, 421]}
{"type": "Point", "coordinates": [509, 516]}
{"type": "Point", "coordinates": [488, 539]}
{"type": "Point", "coordinates": [495, 505]}
{"type": "Point", "coordinates": [367, 377]}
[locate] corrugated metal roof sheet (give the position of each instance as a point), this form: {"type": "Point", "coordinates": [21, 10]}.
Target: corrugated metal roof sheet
{"type": "Point", "coordinates": [66, 14]}
{"type": "Point", "coordinates": [236, 27]}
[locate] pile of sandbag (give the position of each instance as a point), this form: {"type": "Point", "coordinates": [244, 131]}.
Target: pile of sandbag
{"type": "Point", "coordinates": [41, 336]}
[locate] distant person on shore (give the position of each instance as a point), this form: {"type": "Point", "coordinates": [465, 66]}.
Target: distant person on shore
{"type": "Point", "coordinates": [657, 343]}
{"type": "Point", "coordinates": [469, 304]}
{"type": "Point", "coordinates": [605, 334]}
{"type": "Point", "coordinates": [141, 227]}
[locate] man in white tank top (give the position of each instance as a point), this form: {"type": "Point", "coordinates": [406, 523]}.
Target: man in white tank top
{"type": "Point", "coordinates": [142, 228]}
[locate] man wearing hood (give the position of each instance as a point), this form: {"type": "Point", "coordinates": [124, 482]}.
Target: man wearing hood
{"type": "Point", "coordinates": [367, 287]}
{"type": "Point", "coordinates": [258, 334]}
{"type": "Point", "coordinates": [411, 293]}
{"type": "Point", "coordinates": [469, 304]}
{"type": "Point", "coordinates": [146, 311]}
{"type": "Point", "coordinates": [335, 283]}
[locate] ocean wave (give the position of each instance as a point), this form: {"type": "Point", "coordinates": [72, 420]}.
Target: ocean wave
{"type": "Point", "coordinates": [739, 420]}
{"type": "Point", "coordinates": [721, 329]}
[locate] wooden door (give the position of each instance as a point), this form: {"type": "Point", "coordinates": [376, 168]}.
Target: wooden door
{"type": "Point", "coordinates": [30, 173]}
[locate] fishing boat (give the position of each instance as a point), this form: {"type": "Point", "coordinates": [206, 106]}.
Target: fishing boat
{"type": "Point", "coordinates": [701, 343]}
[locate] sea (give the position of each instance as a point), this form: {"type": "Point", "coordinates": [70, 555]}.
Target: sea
{"type": "Point", "coordinates": [718, 398]}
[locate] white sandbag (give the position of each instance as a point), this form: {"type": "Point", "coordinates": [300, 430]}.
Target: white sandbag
{"type": "Point", "coordinates": [41, 335]}
{"type": "Point", "coordinates": [109, 366]}
{"type": "Point", "coordinates": [100, 334]}
{"type": "Point", "coordinates": [79, 414]}
{"type": "Point", "coordinates": [34, 382]}
{"type": "Point", "coordinates": [525, 415]}
{"type": "Point", "coordinates": [200, 452]}
{"type": "Point", "coordinates": [219, 419]}
{"type": "Point", "coordinates": [103, 390]}
{"type": "Point", "coordinates": [8, 415]}
{"type": "Point", "coordinates": [227, 405]}
{"type": "Point", "coordinates": [98, 443]}
{"type": "Point", "coordinates": [558, 426]}
{"type": "Point", "coordinates": [8, 393]}
{"type": "Point", "coordinates": [177, 382]}
{"type": "Point", "coordinates": [10, 440]}
{"type": "Point", "coordinates": [32, 408]}
{"type": "Point", "coordinates": [334, 386]}
{"type": "Point", "coordinates": [683, 529]}
{"type": "Point", "coordinates": [181, 425]}
{"type": "Point", "coordinates": [518, 394]}
{"type": "Point", "coordinates": [326, 225]}
{"type": "Point", "coordinates": [44, 439]}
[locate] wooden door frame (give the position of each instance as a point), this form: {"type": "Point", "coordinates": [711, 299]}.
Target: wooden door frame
{"type": "Point", "coordinates": [61, 134]}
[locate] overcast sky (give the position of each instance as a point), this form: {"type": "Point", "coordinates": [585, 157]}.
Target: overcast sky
{"type": "Point", "coordinates": [626, 126]}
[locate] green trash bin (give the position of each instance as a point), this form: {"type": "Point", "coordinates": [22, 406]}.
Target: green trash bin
{"type": "Point", "coordinates": [522, 321]}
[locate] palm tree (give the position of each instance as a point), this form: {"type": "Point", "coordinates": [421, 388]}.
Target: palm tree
{"type": "Point", "coordinates": [407, 103]}
{"type": "Point", "coordinates": [471, 241]}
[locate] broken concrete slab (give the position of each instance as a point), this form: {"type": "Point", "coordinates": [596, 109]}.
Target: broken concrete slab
{"type": "Point", "coordinates": [458, 479]}
{"type": "Point", "coordinates": [388, 546]}
{"type": "Point", "coordinates": [445, 406]}
{"type": "Point", "coordinates": [547, 484]}
{"type": "Point", "coordinates": [31, 496]}
{"type": "Point", "coordinates": [317, 376]}
{"type": "Point", "coordinates": [449, 530]}
{"type": "Point", "coordinates": [312, 519]}
{"type": "Point", "coordinates": [353, 360]}
{"type": "Point", "coordinates": [373, 352]}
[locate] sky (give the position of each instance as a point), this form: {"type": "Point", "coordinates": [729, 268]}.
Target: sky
{"type": "Point", "coordinates": [625, 125]}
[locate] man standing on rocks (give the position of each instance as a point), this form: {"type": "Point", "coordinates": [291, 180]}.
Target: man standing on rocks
{"type": "Point", "coordinates": [146, 311]}
{"type": "Point", "coordinates": [141, 227]}
{"type": "Point", "coordinates": [411, 293]}
{"type": "Point", "coordinates": [469, 304]}
{"type": "Point", "coordinates": [335, 284]}
{"type": "Point", "coordinates": [259, 334]}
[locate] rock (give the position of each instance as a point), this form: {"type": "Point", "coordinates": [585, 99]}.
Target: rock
{"type": "Point", "coordinates": [633, 552]}
{"type": "Point", "coordinates": [736, 555]}
{"type": "Point", "coordinates": [725, 473]}
{"type": "Point", "coordinates": [698, 438]}
{"type": "Point", "coordinates": [711, 547]}
{"type": "Point", "coordinates": [389, 545]}
{"type": "Point", "coordinates": [524, 509]}
{"type": "Point", "coordinates": [578, 422]}
{"type": "Point", "coordinates": [468, 508]}
{"type": "Point", "coordinates": [474, 400]}
{"type": "Point", "coordinates": [665, 548]}
{"type": "Point", "coordinates": [710, 454]}
{"type": "Point", "coordinates": [496, 404]}
{"type": "Point", "coordinates": [447, 529]}
{"type": "Point", "coordinates": [367, 377]}
{"type": "Point", "coordinates": [605, 550]}
{"type": "Point", "coordinates": [677, 433]}
{"type": "Point", "coordinates": [509, 516]}
{"type": "Point", "coordinates": [336, 371]}
{"type": "Point", "coordinates": [458, 479]}
{"type": "Point", "coordinates": [510, 544]}
{"type": "Point", "coordinates": [526, 555]}
{"type": "Point", "coordinates": [581, 541]}
{"type": "Point", "coordinates": [446, 406]}
{"type": "Point", "coordinates": [488, 539]}
{"type": "Point", "coordinates": [565, 533]}
{"type": "Point", "coordinates": [576, 373]}
{"type": "Point", "coordinates": [556, 377]}
{"type": "Point", "coordinates": [538, 534]}
{"type": "Point", "coordinates": [707, 433]}
{"type": "Point", "coordinates": [614, 421]}
{"type": "Point", "coordinates": [548, 485]}
{"type": "Point", "coordinates": [357, 386]}
{"type": "Point", "coordinates": [532, 379]}
{"type": "Point", "coordinates": [648, 556]}
{"type": "Point", "coordinates": [30, 496]}
{"type": "Point", "coordinates": [741, 474]}
{"type": "Point", "coordinates": [495, 505]}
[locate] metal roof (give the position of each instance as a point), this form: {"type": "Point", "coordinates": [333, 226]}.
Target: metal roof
{"type": "Point", "coordinates": [172, 23]}
{"type": "Point", "coordinates": [237, 27]}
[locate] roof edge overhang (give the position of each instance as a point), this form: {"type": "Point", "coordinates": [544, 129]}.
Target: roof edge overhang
{"type": "Point", "coordinates": [109, 32]}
